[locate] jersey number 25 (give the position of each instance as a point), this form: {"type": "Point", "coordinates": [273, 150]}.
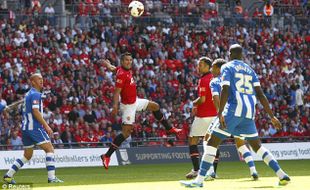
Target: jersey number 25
{"type": "Point", "coordinates": [244, 84]}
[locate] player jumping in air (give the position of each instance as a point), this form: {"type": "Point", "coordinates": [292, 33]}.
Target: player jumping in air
{"type": "Point", "coordinates": [240, 88]}
{"type": "Point", "coordinates": [126, 88]}
{"type": "Point", "coordinates": [35, 131]}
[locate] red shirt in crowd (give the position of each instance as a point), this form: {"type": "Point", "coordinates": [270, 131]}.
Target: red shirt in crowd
{"type": "Point", "coordinates": [9, 91]}
{"type": "Point", "coordinates": [65, 109]}
{"type": "Point", "coordinates": [126, 82]}
{"type": "Point", "coordinates": [175, 84]}
{"type": "Point", "coordinates": [83, 9]}
{"type": "Point", "coordinates": [93, 139]}
{"type": "Point", "coordinates": [206, 109]}
{"type": "Point", "coordinates": [257, 14]}
{"type": "Point", "coordinates": [85, 58]}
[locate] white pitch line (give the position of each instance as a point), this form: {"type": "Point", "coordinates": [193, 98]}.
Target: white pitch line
{"type": "Point", "coordinates": [264, 183]}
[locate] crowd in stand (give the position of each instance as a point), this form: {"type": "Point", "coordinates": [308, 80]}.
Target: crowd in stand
{"type": "Point", "coordinates": [79, 90]}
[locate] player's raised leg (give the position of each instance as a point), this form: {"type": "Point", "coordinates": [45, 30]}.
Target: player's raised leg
{"type": "Point", "coordinates": [154, 107]}
{"type": "Point", "coordinates": [129, 103]}
{"type": "Point", "coordinates": [247, 156]}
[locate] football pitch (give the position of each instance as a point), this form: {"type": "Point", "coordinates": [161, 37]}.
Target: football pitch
{"type": "Point", "coordinates": [232, 175]}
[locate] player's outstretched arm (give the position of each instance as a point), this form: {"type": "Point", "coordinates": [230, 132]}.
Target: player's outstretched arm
{"type": "Point", "coordinates": [108, 65]}
{"type": "Point", "coordinates": [13, 106]}
{"type": "Point", "coordinates": [264, 101]}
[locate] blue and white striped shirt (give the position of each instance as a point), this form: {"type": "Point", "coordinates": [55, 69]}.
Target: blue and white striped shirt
{"type": "Point", "coordinates": [215, 86]}
{"type": "Point", "coordinates": [241, 79]}
{"type": "Point", "coordinates": [32, 100]}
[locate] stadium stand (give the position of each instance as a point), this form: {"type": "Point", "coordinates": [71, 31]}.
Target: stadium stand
{"type": "Point", "coordinates": [166, 43]}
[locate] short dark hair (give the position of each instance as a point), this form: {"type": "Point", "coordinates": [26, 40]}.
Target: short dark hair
{"type": "Point", "coordinates": [206, 60]}
{"type": "Point", "coordinates": [219, 62]}
{"type": "Point", "coordinates": [124, 55]}
{"type": "Point", "coordinates": [235, 49]}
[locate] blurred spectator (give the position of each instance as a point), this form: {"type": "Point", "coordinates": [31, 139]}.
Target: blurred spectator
{"type": "Point", "coordinates": [299, 98]}
{"type": "Point", "coordinates": [83, 14]}
{"type": "Point", "coordinates": [36, 9]}
{"type": "Point", "coordinates": [268, 12]}
{"type": "Point", "coordinates": [293, 96]}
{"type": "Point", "coordinates": [238, 8]}
{"type": "Point", "coordinates": [93, 139]}
{"type": "Point", "coordinates": [50, 14]}
{"type": "Point", "coordinates": [67, 138]}
{"type": "Point", "coordinates": [212, 4]}
{"type": "Point", "coordinates": [16, 141]}
{"type": "Point", "coordinates": [73, 114]}
{"type": "Point", "coordinates": [56, 140]}
{"type": "Point", "coordinates": [90, 116]}
{"type": "Point", "coordinates": [257, 14]}
{"type": "Point", "coordinates": [272, 130]}
{"type": "Point", "coordinates": [107, 138]}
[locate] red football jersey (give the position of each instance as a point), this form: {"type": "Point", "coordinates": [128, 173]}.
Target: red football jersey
{"type": "Point", "coordinates": [125, 81]}
{"type": "Point", "coordinates": [206, 109]}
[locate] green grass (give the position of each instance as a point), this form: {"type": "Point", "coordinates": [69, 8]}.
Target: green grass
{"type": "Point", "coordinates": [152, 173]}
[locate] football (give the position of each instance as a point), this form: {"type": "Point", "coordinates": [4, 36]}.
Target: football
{"type": "Point", "coordinates": [136, 8]}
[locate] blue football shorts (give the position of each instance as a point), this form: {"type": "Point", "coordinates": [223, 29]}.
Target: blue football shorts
{"type": "Point", "coordinates": [242, 128]}
{"type": "Point", "coordinates": [34, 137]}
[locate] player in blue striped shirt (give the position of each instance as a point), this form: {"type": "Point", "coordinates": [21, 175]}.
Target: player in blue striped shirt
{"type": "Point", "coordinates": [240, 87]}
{"type": "Point", "coordinates": [215, 86]}
{"type": "Point", "coordinates": [35, 131]}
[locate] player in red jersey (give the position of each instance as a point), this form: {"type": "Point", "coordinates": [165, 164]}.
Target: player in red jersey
{"type": "Point", "coordinates": [204, 111]}
{"type": "Point", "coordinates": [125, 87]}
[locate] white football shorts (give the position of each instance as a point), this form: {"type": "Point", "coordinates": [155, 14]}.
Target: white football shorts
{"type": "Point", "coordinates": [200, 126]}
{"type": "Point", "coordinates": [129, 110]}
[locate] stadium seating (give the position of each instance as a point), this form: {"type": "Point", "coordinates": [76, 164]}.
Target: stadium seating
{"type": "Point", "coordinates": [165, 55]}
